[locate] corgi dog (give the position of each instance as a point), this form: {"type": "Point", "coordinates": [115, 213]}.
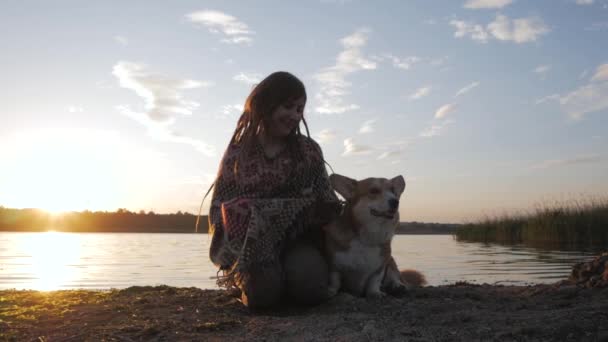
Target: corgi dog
{"type": "Point", "coordinates": [358, 241]}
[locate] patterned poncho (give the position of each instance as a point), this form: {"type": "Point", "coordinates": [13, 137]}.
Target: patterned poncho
{"type": "Point", "coordinates": [267, 202]}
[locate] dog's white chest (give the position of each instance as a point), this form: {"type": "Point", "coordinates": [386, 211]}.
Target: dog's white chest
{"type": "Point", "coordinates": [359, 257]}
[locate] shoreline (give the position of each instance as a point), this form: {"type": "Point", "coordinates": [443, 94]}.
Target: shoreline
{"type": "Point", "coordinates": [456, 312]}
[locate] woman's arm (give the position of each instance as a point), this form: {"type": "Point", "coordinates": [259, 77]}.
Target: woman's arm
{"type": "Point", "coordinates": [224, 189]}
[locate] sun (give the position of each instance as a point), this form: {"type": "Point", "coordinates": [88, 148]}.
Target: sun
{"type": "Point", "coordinates": [58, 171]}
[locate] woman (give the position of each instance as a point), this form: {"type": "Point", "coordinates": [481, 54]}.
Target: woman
{"type": "Point", "coordinates": [271, 197]}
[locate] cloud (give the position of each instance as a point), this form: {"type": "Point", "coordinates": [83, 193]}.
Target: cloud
{"type": "Point", "coordinates": [234, 31]}
{"type": "Point", "coordinates": [352, 148]}
{"type": "Point", "coordinates": [75, 109]}
{"type": "Point", "coordinates": [326, 136]}
{"type": "Point", "coordinates": [332, 80]}
{"type": "Point", "coordinates": [598, 26]}
{"type": "Point", "coordinates": [439, 62]}
{"type": "Point", "coordinates": [522, 30]}
{"type": "Point", "coordinates": [582, 159]}
{"type": "Point", "coordinates": [601, 73]}
{"type": "Point", "coordinates": [229, 110]}
{"type": "Point", "coordinates": [465, 28]}
{"type": "Point", "coordinates": [482, 4]}
{"type": "Point", "coordinates": [589, 98]}
{"type": "Point", "coordinates": [367, 127]}
{"type": "Point", "coordinates": [420, 93]}
{"type": "Point", "coordinates": [466, 89]}
{"type": "Point", "coordinates": [404, 63]}
{"type": "Point", "coordinates": [121, 40]}
{"type": "Point", "coordinates": [390, 154]}
{"type": "Point", "coordinates": [444, 110]}
{"type": "Point", "coordinates": [584, 2]}
{"type": "Point", "coordinates": [162, 95]}
{"type": "Point", "coordinates": [435, 129]}
{"type": "Point", "coordinates": [163, 102]}
{"type": "Point", "coordinates": [541, 69]}
{"type": "Point", "coordinates": [552, 97]}
{"type": "Point", "coordinates": [248, 78]}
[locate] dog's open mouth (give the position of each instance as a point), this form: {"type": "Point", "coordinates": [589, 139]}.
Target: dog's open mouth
{"type": "Point", "coordinates": [385, 214]}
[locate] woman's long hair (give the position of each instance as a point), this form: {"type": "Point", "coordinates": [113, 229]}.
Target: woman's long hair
{"type": "Point", "coordinates": [276, 89]}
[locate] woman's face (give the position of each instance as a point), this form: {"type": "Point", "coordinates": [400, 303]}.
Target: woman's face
{"type": "Point", "coordinates": [285, 118]}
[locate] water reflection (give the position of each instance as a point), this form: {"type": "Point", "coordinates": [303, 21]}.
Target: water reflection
{"type": "Point", "coordinates": [47, 261]}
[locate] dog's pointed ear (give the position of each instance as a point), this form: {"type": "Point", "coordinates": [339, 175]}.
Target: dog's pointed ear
{"type": "Point", "coordinates": [399, 184]}
{"type": "Point", "coordinates": [343, 185]}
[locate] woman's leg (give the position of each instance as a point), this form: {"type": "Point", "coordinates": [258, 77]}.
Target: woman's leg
{"type": "Point", "coordinates": [262, 290]}
{"type": "Point", "coordinates": [306, 274]}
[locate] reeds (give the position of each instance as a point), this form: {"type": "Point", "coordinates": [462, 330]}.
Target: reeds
{"type": "Point", "coordinates": [572, 223]}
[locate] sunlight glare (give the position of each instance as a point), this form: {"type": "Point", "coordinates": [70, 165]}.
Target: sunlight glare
{"type": "Point", "coordinates": [53, 256]}
{"type": "Point", "coordinates": [60, 170]}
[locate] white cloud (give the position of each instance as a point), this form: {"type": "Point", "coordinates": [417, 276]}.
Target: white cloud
{"type": "Point", "coordinates": [163, 102]}
{"type": "Point", "coordinates": [521, 30]}
{"type": "Point", "coordinates": [121, 40]}
{"type": "Point", "coordinates": [248, 78]}
{"type": "Point", "coordinates": [438, 62]}
{"type": "Point", "coordinates": [75, 109]}
{"type": "Point", "coordinates": [435, 129]}
{"type": "Point", "coordinates": [162, 95]}
{"type": "Point", "coordinates": [234, 31]}
{"type": "Point", "coordinates": [465, 28]}
{"type": "Point", "coordinates": [352, 148]}
{"type": "Point", "coordinates": [598, 26]}
{"type": "Point", "coordinates": [390, 154]}
{"type": "Point", "coordinates": [467, 88]}
{"type": "Point", "coordinates": [332, 80]}
{"type": "Point", "coordinates": [229, 110]}
{"type": "Point", "coordinates": [420, 93]}
{"type": "Point", "coordinates": [481, 4]}
{"type": "Point", "coordinates": [542, 69]}
{"type": "Point", "coordinates": [326, 136]}
{"type": "Point", "coordinates": [405, 63]}
{"type": "Point", "coordinates": [582, 159]}
{"type": "Point", "coordinates": [367, 127]}
{"type": "Point", "coordinates": [589, 98]}
{"type": "Point", "coordinates": [584, 2]}
{"type": "Point", "coordinates": [444, 110]}
{"type": "Point", "coordinates": [601, 73]}
{"type": "Point", "coordinates": [552, 97]}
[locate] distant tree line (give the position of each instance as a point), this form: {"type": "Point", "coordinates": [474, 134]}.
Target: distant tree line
{"type": "Point", "coordinates": [122, 220]}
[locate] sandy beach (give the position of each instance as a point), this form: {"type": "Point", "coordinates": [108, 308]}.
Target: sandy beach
{"type": "Point", "coordinates": [459, 312]}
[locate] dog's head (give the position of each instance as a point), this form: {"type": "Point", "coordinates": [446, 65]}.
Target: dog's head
{"type": "Point", "coordinates": [371, 199]}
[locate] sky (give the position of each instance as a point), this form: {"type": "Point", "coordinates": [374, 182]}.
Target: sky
{"type": "Point", "coordinates": [486, 107]}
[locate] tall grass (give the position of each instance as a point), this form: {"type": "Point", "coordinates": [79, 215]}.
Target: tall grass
{"type": "Point", "coordinates": [565, 224]}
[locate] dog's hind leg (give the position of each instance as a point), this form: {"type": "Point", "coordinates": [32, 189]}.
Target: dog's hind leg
{"type": "Point", "coordinates": [392, 280]}
{"type": "Point", "coordinates": [334, 283]}
{"type": "Point", "coordinates": [374, 282]}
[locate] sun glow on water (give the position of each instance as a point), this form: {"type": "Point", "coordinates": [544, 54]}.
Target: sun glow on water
{"type": "Point", "coordinates": [53, 254]}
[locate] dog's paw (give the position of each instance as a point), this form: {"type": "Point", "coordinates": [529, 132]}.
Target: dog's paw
{"type": "Point", "coordinates": [375, 295]}
{"type": "Point", "coordinates": [397, 289]}
{"type": "Point", "coordinates": [332, 291]}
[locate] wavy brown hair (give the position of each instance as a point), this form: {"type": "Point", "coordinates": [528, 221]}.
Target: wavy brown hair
{"type": "Point", "coordinates": [276, 89]}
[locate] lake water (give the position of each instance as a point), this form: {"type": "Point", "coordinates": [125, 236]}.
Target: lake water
{"type": "Point", "coordinates": [51, 260]}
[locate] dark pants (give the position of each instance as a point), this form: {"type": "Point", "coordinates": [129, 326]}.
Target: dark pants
{"type": "Point", "coordinates": [302, 277]}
